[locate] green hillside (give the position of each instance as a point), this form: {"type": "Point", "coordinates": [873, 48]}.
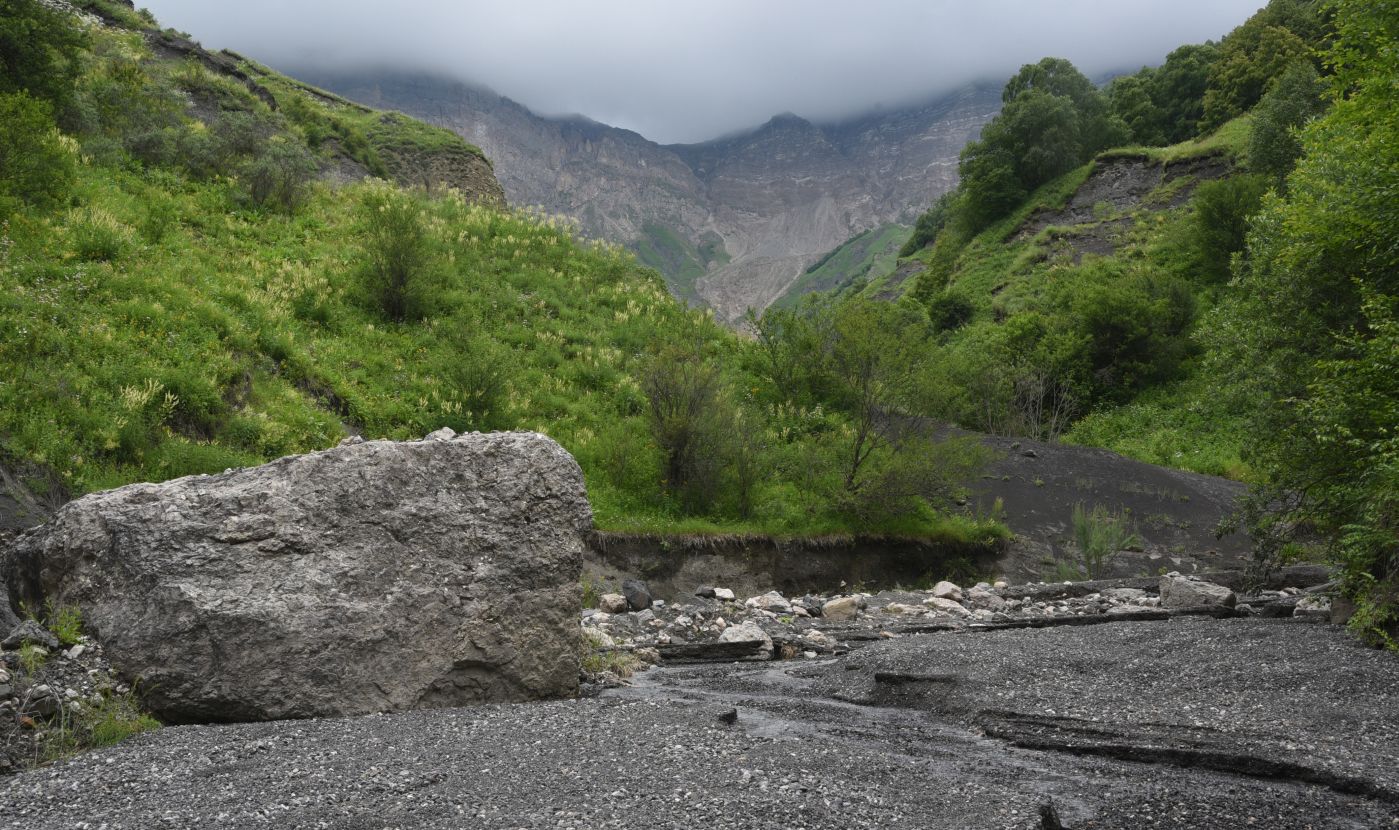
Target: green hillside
{"type": "Point", "coordinates": [682, 262]}
{"type": "Point", "coordinates": [866, 256]}
{"type": "Point", "coordinates": [1224, 303]}
{"type": "Point", "coordinates": [206, 264]}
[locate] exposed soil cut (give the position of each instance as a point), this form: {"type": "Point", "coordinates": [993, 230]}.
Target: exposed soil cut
{"type": "Point", "coordinates": [1122, 184]}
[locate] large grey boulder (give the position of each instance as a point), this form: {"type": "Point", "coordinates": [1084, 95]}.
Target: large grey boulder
{"type": "Point", "coordinates": [370, 577]}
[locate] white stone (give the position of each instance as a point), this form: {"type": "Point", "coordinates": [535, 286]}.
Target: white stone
{"type": "Point", "coordinates": [1313, 608]}
{"type": "Point", "coordinates": [841, 608]}
{"type": "Point", "coordinates": [746, 633]}
{"type": "Point", "coordinates": [947, 590]}
{"type": "Point", "coordinates": [901, 608]}
{"type": "Point", "coordinates": [771, 601]}
{"type": "Point", "coordinates": [947, 606]}
{"type": "Point", "coordinates": [724, 594]}
{"type": "Point", "coordinates": [612, 604]}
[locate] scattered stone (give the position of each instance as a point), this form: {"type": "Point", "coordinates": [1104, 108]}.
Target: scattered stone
{"type": "Point", "coordinates": [947, 590]}
{"type": "Point", "coordinates": [1124, 594]}
{"type": "Point", "coordinates": [902, 608]}
{"type": "Point", "coordinates": [980, 597]}
{"type": "Point", "coordinates": [1180, 591]}
{"type": "Point", "coordinates": [746, 633]}
{"type": "Point", "coordinates": [637, 594]}
{"type": "Point", "coordinates": [612, 604]}
{"type": "Point", "coordinates": [729, 717]}
{"type": "Point", "coordinates": [1315, 609]}
{"type": "Point", "coordinates": [947, 606]}
{"type": "Point", "coordinates": [443, 434]}
{"type": "Point", "coordinates": [999, 584]}
{"type": "Point", "coordinates": [841, 609]}
{"type": "Point", "coordinates": [32, 633]}
{"type": "Point", "coordinates": [41, 702]}
{"type": "Point", "coordinates": [645, 615]}
{"type": "Point", "coordinates": [724, 594]}
{"type": "Point", "coordinates": [771, 601]}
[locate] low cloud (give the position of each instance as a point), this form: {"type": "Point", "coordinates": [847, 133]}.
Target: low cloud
{"type": "Point", "coordinates": [691, 71]}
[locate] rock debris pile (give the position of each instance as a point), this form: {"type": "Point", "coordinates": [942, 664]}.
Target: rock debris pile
{"type": "Point", "coordinates": [716, 626]}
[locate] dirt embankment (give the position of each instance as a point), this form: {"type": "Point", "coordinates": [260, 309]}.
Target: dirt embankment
{"type": "Point", "coordinates": [1032, 486]}
{"type": "Point", "coordinates": [674, 565]}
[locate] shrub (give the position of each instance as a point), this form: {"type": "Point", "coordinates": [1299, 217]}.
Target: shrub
{"type": "Point", "coordinates": [66, 623]}
{"type": "Point", "coordinates": [280, 176]}
{"type": "Point", "coordinates": [40, 51]}
{"type": "Point", "coordinates": [1273, 143]}
{"type": "Point", "coordinates": [37, 165]}
{"type": "Point", "coordinates": [1098, 536]}
{"type": "Point", "coordinates": [123, 104]}
{"type": "Point", "coordinates": [683, 390]}
{"type": "Point", "coordinates": [1222, 211]}
{"type": "Point", "coordinates": [397, 252]}
{"type": "Point", "coordinates": [95, 724]}
{"type": "Point", "coordinates": [32, 658]}
{"type": "Point", "coordinates": [160, 217]}
{"type": "Point", "coordinates": [98, 236]}
{"type": "Point", "coordinates": [950, 311]}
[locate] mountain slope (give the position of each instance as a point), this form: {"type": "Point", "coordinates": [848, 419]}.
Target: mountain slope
{"type": "Point", "coordinates": [742, 216]}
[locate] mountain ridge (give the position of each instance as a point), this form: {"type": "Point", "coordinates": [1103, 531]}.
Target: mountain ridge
{"type": "Point", "coordinates": [732, 222]}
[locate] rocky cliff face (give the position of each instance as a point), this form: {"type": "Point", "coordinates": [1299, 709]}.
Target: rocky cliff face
{"type": "Point", "coordinates": [732, 222]}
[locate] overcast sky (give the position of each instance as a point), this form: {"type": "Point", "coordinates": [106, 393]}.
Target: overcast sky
{"type": "Point", "coordinates": [688, 71]}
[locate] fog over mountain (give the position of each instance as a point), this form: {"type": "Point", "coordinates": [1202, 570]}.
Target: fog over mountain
{"type": "Point", "coordinates": [690, 72]}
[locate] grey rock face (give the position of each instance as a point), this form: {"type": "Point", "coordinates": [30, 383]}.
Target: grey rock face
{"type": "Point", "coordinates": [1179, 591]}
{"type": "Point", "coordinates": [373, 577]}
{"type": "Point", "coordinates": [29, 632]}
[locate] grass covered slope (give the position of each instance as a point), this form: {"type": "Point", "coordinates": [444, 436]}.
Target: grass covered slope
{"type": "Point", "coordinates": [213, 276]}
{"type": "Point", "coordinates": [1075, 314]}
{"type": "Point", "coordinates": [866, 256]}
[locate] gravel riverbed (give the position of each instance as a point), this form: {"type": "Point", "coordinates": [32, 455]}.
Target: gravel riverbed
{"type": "Point", "coordinates": [1181, 723]}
